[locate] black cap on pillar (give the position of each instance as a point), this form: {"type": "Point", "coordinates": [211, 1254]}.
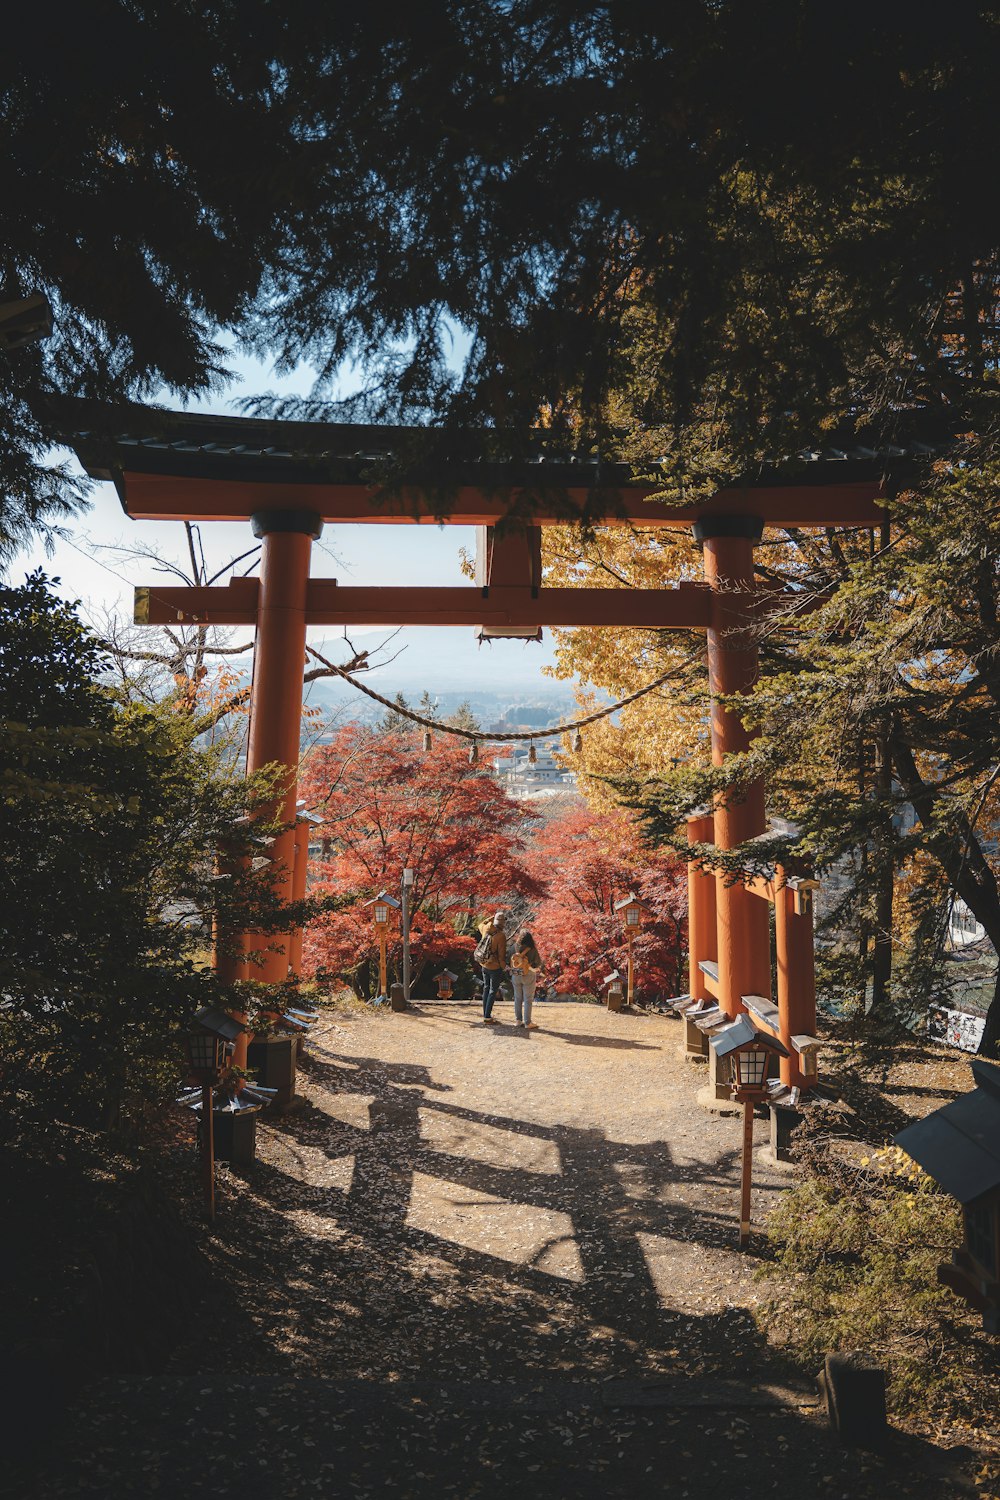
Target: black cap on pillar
{"type": "Point", "coordinates": [707, 528]}
{"type": "Point", "coordinates": [305, 522]}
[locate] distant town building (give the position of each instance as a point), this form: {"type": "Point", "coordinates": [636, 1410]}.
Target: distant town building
{"type": "Point", "coordinates": [963, 928]}
{"type": "Point", "coordinates": [521, 779]}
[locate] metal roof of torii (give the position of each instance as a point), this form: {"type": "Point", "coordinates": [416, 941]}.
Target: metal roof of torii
{"type": "Point", "coordinates": [189, 466]}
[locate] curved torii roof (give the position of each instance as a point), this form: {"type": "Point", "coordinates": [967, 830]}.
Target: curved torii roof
{"type": "Point", "coordinates": [191, 466]}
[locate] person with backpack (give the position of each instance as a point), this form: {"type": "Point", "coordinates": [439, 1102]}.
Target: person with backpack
{"type": "Point", "coordinates": [524, 969]}
{"type": "Point", "coordinates": [491, 954]}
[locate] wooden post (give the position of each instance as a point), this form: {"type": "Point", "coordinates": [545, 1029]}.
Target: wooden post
{"type": "Point", "coordinates": [703, 941]}
{"type": "Point", "coordinates": [747, 1169]}
{"type": "Point", "coordinates": [631, 971]}
{"type": "Point", "coordinates": [208, 1149]}
{"type": "Point", "coordinates": [703, 938]}
{"type": "Point", "coordinates": [405, 889]}
{"type": "Point", "coordinates": [383, 977]}
{"type": "Point", "coordinates": [741, 918]}
{"type": "Point", "coordinates": [793, 937]}
{"type": "Point", "coordinates": [276, 700]}
{"type": "Point", "coordinates": [229, 966]}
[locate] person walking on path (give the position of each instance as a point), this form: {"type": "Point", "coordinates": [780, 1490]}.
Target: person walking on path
{"type": "Point", "coordinates": [493, 947]}
{"type": "Point", "coordinates": [524, 969]}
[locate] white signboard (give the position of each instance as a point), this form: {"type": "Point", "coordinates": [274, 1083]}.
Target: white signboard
{"type": "Point", "coordinates": [956, 1028]}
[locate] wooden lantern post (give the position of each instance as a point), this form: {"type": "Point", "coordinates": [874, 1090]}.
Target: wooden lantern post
{"type": "Point", "coordinates": [446, 984]}
{"type": "Point", "coordinates": [210, 1050]}
{"type": "Point", "coordinates": [631, 910]}
{"type": "Point", "coordinates": [748, 1050]}
{"type": "Point", "coordinates": [381, 926]}
{"type": "Point", "coordinates": [382, 908]}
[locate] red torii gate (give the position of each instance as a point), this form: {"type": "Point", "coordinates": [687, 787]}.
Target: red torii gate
{"type": "Point", "coordinates": [289, 479]}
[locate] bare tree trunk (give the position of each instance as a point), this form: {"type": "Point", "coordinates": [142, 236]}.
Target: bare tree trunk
{"type": "Point", "coordinates": [961, 856]}
{"type": "Point", "coordinates": [884, 870]}
{"type": "Point", "coordinates": [989, 1046]}
{"type": "Point", "coordinates": [864, 925]}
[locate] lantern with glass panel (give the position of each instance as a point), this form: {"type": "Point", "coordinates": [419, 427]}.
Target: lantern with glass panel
{"type": "Point", "coordinates": [749, 1053]}
{"type": "Point", "coordinates": [383, 907]}
{"type": "Point", "coordinates": [631, 910]}
{"type": "Point", "coordinates": [210, 1044]}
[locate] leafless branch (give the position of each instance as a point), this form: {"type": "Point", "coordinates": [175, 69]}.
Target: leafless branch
{"type": "Point", "coordinates": [189, 648]}
{"type": "Point", "coordinates": [232, 565]}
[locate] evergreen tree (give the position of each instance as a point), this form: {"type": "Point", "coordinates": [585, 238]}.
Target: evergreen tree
{"type": "Point", "coordinates": [111, 820]}
{"type": "Point", "coordinates": [566, 182]}
{"type": "Point", "coordinates": [464, 718]}
{"type": "Point", "coordinates": [394, 722]}
{"type": "Point", "coordinates": [678, 204]}
{"type": "Point", "coordinates": [148, 161]}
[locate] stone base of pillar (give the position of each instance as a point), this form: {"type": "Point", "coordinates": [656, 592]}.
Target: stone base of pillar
{"type": "Point", "coordinates": [852, 1386]}
{"type": "Point", "coordinates": [234, 1136]}
{"type": "Point", "coordinates": [718, 1104]}
{"type": "Point", "coordinates": [784, 1120]}
{"type": "Point", "coordinates": [274, 1059]}
{"type": "Point", "coordinates": [695, 1043]}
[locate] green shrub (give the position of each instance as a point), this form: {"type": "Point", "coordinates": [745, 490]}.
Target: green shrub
{"type": "Point", "coordinates": [855, 1263]}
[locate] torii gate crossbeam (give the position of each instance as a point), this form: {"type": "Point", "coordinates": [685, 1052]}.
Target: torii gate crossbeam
{"type": "Point", "coordinates": [690, 606]}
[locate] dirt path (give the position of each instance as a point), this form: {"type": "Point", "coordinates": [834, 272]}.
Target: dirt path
{"type": "Point", "coordinates": [475, 1259]}
{"type": "Point", "coordinates": [502, 1200]}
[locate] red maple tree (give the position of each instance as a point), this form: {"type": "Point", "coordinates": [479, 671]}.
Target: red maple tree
{"type": "Point", "coordinates": [385, 806]}
{"type": "Point", "coordinates": [593, 860]}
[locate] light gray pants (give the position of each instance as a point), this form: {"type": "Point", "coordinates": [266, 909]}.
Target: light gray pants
{"type": "Point", "coordinates": [524, 993]}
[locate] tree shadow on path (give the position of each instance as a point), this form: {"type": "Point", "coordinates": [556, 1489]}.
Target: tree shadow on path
{"type": "Point", "coordinates": [429, 1299]}
{"type": "Point", "coordinates": [503, 1245]}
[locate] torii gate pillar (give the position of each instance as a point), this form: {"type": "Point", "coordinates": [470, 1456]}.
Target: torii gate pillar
{"type": "Point", "coordinates": [793, 931]}
{"type": "Point", "coordinates": [702, 930]}
{"type": "Point", "coordinates": [276, 698]}
{"type": "Point", "coordinates": [744, 951]}
{"type": "Point", "coordinates": [702, 921]}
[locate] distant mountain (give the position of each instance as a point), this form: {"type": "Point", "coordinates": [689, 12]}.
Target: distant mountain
{"type": "Point", "coordinates": [489, 708]}
{"type": "Point", "coordinates": [503, 680]}
{"type": "Point", "coordinates": [441, 659]}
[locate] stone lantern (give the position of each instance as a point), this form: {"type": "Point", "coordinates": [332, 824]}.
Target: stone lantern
{"type": "Point", "coordinates": [615, 993]}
